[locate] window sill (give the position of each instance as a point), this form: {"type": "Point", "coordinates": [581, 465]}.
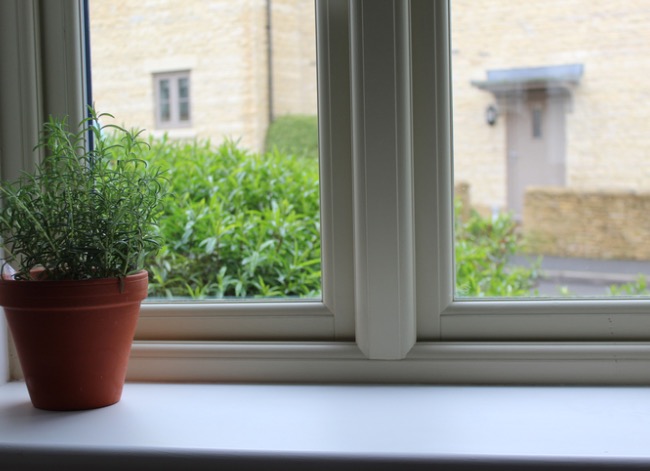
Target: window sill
{"type": "Point", "coordinates": [228, 426]}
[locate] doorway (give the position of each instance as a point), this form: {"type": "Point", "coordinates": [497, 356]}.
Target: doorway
{"type": "Point", "coordinates": [536, 145]}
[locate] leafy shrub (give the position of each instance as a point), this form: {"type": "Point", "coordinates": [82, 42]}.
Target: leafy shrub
{"type": "Point", "coordinates": [246, 225]}
{"type": "Point", "coordinates": [294, 135]}
{"type": "Point", "coordinates": [483, 248]}
{"type": "Point", "coordinates": [236, 223]}
{"type": "Point", "coordinates": [639, 287]}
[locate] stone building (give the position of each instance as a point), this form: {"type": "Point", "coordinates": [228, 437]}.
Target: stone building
{"type": "Point", "coordinates": [551, 122]}
{"type": "Point", "coordinates": [204, 68]}
{"type": "Point", "coordinates": [546, 93]}
{"type": "Point", "coordinates": [568, 80]}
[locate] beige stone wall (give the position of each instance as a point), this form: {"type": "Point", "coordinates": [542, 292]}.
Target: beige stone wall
{"type": "Point", "coordinates": [479, 149]}
{"type": "Point", "coordinates": [223, 44]}
{"type": "Point", "coordinates": [608, 125]}
{"type": "Point", "coordinates": [592, 224]}
{"type": "Point", "coordinates": [294, 57]}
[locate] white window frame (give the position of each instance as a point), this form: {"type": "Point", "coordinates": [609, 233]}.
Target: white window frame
{"type": "Point", "coordinates": [331, 318]}
{"type": "Point", "coordinates": [173, 79]}
{"type": "Point", "coordinates": [388, 313]}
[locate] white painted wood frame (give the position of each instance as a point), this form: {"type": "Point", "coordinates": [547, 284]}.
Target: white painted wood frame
{"type": "Point", "coordinates": [404, 326]}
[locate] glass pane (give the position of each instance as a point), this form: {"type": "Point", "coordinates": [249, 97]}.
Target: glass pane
{"type": "Point", "coordinates": [183, 88]}
{"type": "Point", "coordinates": [242, 219]}
{"type": "Point", "coordinates": [164, 90]}
{"type": "Point", "coordinates": [163, 97]}
{"type": "Point", "coordinates": [165, 112]}
{"type": "Point", "coordinates": [184, 110]}
{"type": "Point", "coordinates": [184, 102]}
{"type": "Point", "coordinates": [550, 148]}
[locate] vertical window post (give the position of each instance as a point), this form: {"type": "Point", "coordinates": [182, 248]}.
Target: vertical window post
{"type": "Point", "coordinates": [383, 178]}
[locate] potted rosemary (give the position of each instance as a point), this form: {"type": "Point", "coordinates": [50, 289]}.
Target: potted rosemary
{"type": "Point", "coordinates": [75, 234]}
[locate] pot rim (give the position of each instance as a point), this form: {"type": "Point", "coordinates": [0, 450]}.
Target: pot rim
{"type": "Point", "coordinates": [128, 278]}
{"type": "Point", "coordinates": [64, 294]}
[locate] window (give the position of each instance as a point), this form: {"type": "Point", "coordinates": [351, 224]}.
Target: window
{"type": "Point", "coordinates": [554, 180]}
{"type": "Point", "coordinates": [172, 93]}
{"type": "Point", "coordinates": [248, 77]}
{"type": "Point", "coordinates": [242, 219]}
{"type": "Point", "coordinates": [388, 241]}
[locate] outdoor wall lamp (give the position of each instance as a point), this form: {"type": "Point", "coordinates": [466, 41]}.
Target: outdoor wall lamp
{"type": "Point", "coordinates": [491, 115]}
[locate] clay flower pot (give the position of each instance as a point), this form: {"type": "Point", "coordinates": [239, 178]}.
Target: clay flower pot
{"type": "Point", "coordinates": [73, 338]}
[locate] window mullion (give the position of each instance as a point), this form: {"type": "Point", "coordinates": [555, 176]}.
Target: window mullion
{"type": "Point", "coordinates": [383, 178]}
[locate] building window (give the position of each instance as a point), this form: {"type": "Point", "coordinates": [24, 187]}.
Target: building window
{"type": "Point", "coordinates": [172, 100]}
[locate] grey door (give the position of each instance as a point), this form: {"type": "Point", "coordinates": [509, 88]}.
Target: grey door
{"type": "Point", "coordinates": [535, 145]}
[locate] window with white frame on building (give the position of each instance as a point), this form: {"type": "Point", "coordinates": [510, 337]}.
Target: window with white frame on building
{"type": "Point", "coordinates": [172, 100]}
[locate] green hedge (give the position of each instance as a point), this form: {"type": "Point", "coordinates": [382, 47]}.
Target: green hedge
{"type": "Point", "coordinates": [247, 225]}
{"type": "Point", "coordinates": [236, 223]}
{"type": "Point", "coordinates": [295, 135]}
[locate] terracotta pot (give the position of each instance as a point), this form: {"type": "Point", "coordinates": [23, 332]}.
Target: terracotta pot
{"type": "Point", "coordinates": [73, 337]}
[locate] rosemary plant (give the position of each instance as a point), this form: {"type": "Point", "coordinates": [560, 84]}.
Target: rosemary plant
{"type": "Point", "coordinates": [85, 212]}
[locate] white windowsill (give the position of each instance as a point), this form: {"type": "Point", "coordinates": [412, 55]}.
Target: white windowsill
{"type": "Point", "coordinates": [218, 426]}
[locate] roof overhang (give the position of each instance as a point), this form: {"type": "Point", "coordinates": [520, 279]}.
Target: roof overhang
{"type": "Point", "coordinates": [509, 81]}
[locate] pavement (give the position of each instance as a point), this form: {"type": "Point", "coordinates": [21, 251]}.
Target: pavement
{"type": "Point", "coordinates": [581, 276]}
